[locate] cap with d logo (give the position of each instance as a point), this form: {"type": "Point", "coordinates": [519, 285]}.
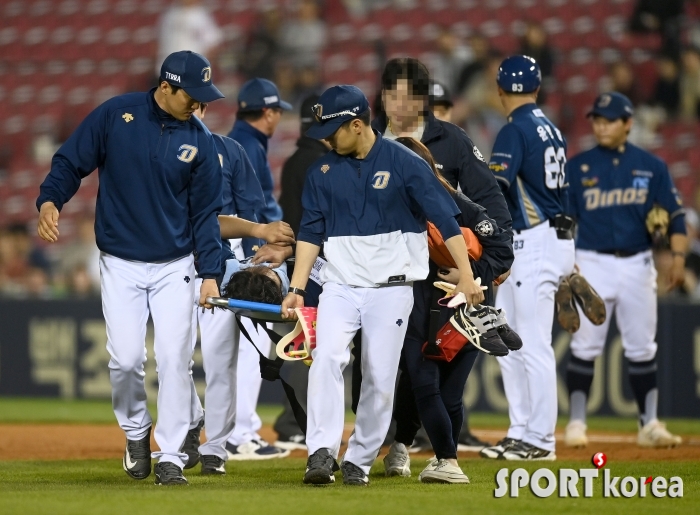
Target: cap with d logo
{"type": "Point", "coordinates": [336, 106]}
{"type": "Point", "coordinates": [191, 72]}
{"type": "Point", "coordinates": [612, 106]}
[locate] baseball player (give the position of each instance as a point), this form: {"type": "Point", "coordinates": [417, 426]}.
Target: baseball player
{"type": "Point", "coordinates": [159, 196]}
{"type": "Point", "coordinates": [367, 201]}
{"type": "Point", "coordinates": [613, 188]}
{"type": "Point", "coordinates": [406, 99]}
{"type": "Point", "coordinates": [219, 333]}
{"type": "Point", "coordinates": [259, 112]}
{"type": "Point", "coordinates": [528, 161]}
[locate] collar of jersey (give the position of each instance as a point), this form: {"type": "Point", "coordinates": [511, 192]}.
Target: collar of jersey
{"type": "Point", "coordinates": [525, 108]}
{"type": "Point", "coordinates": [244, 126]}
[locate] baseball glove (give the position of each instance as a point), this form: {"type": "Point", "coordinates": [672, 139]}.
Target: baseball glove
{"type": "Point", "coordinates": [657, 224]}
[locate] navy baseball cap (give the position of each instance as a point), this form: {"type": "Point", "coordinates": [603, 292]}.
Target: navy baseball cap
{"type": "Point", "coordinates": [336, 106]}
{"type": "Point", "coordinates": [258, 93]}
{"type": "Point", "coordinates": [612, 106]}
{"type": "Point", "coordinates": [519, 74]}
{"type": "Point", "coordinates": [191, 72]}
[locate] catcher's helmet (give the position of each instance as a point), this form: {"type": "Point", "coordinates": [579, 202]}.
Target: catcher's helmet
{"type": "Point", "coordinates": [519, 74]}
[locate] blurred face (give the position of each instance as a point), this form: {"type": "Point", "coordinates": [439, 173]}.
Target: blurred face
{"type": "Point", "coordinates": [345, 140]}
{"type": "Point", "coordinates": [400, 104]}
{"type": "Point", "coordinates": [610, 133]}
{"type": "Point", "coordinates": [179, 105]}
{"type": "Point", "coordinates": [273, 117]}
{"type": "Point", "coordinates": [443, 113]}
{"type": "Point", "coordinates": [199, 113]}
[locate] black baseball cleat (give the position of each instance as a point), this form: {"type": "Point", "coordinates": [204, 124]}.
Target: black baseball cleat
{"type": "Point", "coordinates": [591, 303]}
{"type": "Point", "coordinates": [496, 451]}
{"type": "Point", "coordinates": [567, 314]}
{"type": "Point", "coordinates": [353, 475]}
{"type": "Point", "coordinates": [169, 474]}
{"type": "Point", "coordinates": [523, 451]}
{"type": "Point", "coordinates": [469, 442]}
{"type": "Point", "coordinates": [320, 468]}
{"type": "Point", "coordinates": [137, 457]}
{"type": "Point", "coordinates": [191, 445]}
{"type": "Point", "coordinates": [213, 465]}
{"type": "Point", "coordinates": [476, 325]}
{"type": "Point", "coordinates": [508, 336]}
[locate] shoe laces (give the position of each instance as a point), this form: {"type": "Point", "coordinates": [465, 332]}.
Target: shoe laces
{"type": "Point", "coordinates": [507, 442]}
{"type": "Point", "coordinates": [169, 470]}
{"type": "Point", "coordinates": [138, 449]}
{"type": "Point", "coordinates": [319, 459]}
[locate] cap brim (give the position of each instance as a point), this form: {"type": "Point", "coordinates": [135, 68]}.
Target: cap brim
{"type": "Point", "coordinates": [608, 115]}
{"type": "Point", "coordinates": [205, 93]}
{"type": "Point", "coordinates": [285, 105]}
{"type": "Point", "coordinates": [325, 130]}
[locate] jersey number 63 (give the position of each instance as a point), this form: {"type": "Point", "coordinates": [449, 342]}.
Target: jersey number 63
{"type": "Point", "coordinates": [554, 161]}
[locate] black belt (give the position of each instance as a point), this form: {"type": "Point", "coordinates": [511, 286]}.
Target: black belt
{"type": "Point", "coordinates": [564, 225]}
{"type": "Point", "coordinates": [619, 253]}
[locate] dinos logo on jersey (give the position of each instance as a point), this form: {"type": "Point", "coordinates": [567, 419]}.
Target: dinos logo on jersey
{"type": "Point", "coordinates": [478, 155]}
{"type": "Point", "coordinates": [596, 198]}
{"type": "Point", "coordinates": [187, 153]}
{"type": "Point", "coordinates": [484, 228]}
{"type": "Point", "coordinates": [380, 180]}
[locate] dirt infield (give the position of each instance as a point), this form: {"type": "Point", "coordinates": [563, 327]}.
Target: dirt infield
{"type": "Point", "coordinates": [104, 441]}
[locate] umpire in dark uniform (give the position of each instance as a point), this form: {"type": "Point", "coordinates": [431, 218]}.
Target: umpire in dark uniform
{"type": "Point", "coordinates": [406, 99]}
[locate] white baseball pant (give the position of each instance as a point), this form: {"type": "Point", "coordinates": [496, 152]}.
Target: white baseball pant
{"type": "Point", "coordinates": [219, 344]}
{"type": "Point", "coordinates": [131, 291]}
{"type": "Point", "coordinates": [382, 313]}
{"type": "Point", "coordinates": [628, 287]}
{"type": "Point", "coordinates": [529, 375]}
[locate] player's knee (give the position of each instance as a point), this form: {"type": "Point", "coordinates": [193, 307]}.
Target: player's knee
{"type": "Point", "coordinates": [426, 392]}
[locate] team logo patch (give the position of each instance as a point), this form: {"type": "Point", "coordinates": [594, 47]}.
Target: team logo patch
{"type": "Point", "coordinates": [187, 153]}
{"type": "Point", "coordinates": [128, 117]}
{"type": "Point", "coordinates": [478, 155]}
{"type": "Point", "coordinates": [641, 183]}
{"type": "Point", "coordinates": [380, 180]}
{"type": "Point", "coordinates": [604, 101]}
{"type": "Point", "coordinates": [484, 228]}
{"type": "Point", "coordinates": [585, 168]}
{"type": "Point", "coordinates": [498, 167]}
{"type": "Point", "coordinates": [325, 168]}
{"type": "Point", "coordinates": [243, 105]}
{"type": "Point", "coordinates": [206, 74]}
{"type": "Point", "coordinates": [589, 183]}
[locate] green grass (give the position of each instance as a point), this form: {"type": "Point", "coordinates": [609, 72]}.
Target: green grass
{"type": "Point", "coordinates": [101, 487]}
{"type": "Point", "coordinates": [31, 410]}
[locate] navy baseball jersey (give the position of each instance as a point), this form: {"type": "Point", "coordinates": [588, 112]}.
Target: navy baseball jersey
{"type": "Point", "coordinates": [611, 192]}
{"type": "Point", "coordinates": [528, 161]}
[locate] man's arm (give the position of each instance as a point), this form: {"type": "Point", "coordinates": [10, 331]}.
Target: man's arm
{"type": "Point", "coordinates": [279, 233]}
{"type": "Point", "coordinates": [466, 284]}
{"type": "Point", "coordinates": [305, 259]}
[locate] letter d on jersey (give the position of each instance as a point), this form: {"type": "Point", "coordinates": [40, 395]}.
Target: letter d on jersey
{"type": "Point", "coordinates": [380, 180]}
{"type": "Point", "coordinates": [187, 153]}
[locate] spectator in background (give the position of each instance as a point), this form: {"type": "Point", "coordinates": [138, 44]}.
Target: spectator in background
{"type": "Point", "coordinates": [24, 268]}
{"type": "Point", "coordinates": [452, 57]}
{"type": "Point", "coordinates": [691, 285]}
{"type": "Point", "coordinates": [481, 54]}
{"type": "Point", "coordinates": [667, 89]}
{"type": "Point", "coordinates": [81, 257]}
{"type": "Point", "coordinates": [663, 17]}
{"type": "Point", "coordinates": [621, 79]}
{"type": "Point", "coordinates": [303, 38]}
{"type": "Point", "coordinates": [534, 43]}
{"type": "Point", "coordinates": [294, 169]}
{"type": "Point", "coordinates": [262, 49]}
{"type": "Point", "coordinates": [187, 25]}
{"type": "Point", "coordinates": [690, 84]}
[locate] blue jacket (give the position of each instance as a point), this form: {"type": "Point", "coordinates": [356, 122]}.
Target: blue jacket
{"type": "Point", "coordinates": [242, 194]}
{"type": "Point", "coordinates": [255, 144]}
{"type": "Point", "coordinates": [528, 160]}
{"type": "Point", "coordinates": [371, 213]}
{"type": "Point", "coordinates": [613, 190]}
{"type": "Point", "coordinates": [160, 182]}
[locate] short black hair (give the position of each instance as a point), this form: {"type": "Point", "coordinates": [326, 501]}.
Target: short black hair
{"type": "Point", "coordinates": [408, 68]}
{"type": "Point", "coordinates": [249, 116]}
{"type": "Point", "coordinates": [173, 87]}
{"type": "Point", "coordinates": [364, 118]}
{"type": "Point", "coordinates": [254, 285]}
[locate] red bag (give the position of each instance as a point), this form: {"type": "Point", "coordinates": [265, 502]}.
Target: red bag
{"type": "Point", "coordinates": [448, 342]}
{"type": "Point", "coordinates": [441, 255]}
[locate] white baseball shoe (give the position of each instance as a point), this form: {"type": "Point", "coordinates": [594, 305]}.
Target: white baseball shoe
{"type": "Point", "coordinates": [397, 462]}
{"type": "Point", "coordinates": [442, 471]}
{"type": "Point", "coordinates": [575, 434]}
{"type": "Point", "coordinates": [654, 434]}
